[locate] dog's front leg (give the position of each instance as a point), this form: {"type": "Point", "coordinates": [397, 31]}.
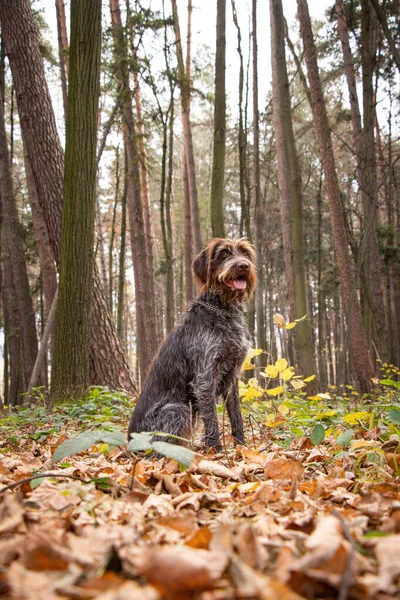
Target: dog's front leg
{"type": "Point", "coordinates": [206, 396]}
{"type": "Point", "coordinates": [234, 413]}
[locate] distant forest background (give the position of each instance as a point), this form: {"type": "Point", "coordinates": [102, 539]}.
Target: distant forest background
{"type": "Point", "coordinates": [308, 173]}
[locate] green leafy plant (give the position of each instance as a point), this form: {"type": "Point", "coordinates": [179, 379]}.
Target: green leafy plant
{"type": "Point", "coordinates": [140, 442]}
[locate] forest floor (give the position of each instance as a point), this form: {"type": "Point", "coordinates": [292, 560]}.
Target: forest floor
{"type": "Point", "coordinates": [311, 508]}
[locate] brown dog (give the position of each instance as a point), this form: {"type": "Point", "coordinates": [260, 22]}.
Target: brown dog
{"type": "Point", "coordinates": [202, 357]}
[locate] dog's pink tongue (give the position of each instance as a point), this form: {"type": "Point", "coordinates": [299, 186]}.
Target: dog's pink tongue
{"type": "Point", "coordinates": [239, 284]}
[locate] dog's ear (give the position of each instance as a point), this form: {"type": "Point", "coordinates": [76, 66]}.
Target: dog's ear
{"type": "Point", "coordinates": [201, 265]}
{"type": "Point", "coordinates": [200, 268]}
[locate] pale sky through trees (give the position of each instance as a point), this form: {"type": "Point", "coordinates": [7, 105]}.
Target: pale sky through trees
{"type": "Point", "coordinates": [203, 34]}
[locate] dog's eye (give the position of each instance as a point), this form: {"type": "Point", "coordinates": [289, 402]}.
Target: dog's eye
{"type": "Point", "coordinates": [224, 253]}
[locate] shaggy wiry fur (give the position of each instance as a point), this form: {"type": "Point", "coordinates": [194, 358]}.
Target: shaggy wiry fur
{"type": "Point", "coordinates": [202, 357]}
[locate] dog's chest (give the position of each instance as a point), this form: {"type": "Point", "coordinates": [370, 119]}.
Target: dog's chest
{"type": "Point", "coordinates": [232, 343]}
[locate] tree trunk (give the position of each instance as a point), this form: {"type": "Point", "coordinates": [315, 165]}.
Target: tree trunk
{"type": "Point", "coordinates": [218, 168]}
{"type": "Point", "coordinates": [22, 44]}
{"type": "Point", "coordinates": [372, 262]}
{"type": "Point", "coordinates": [165, 213]}
{"type": "Point", "coordinates": [13, 385]}
{"type": "Point", "coordinates": [121, 269]}
{"type": "Point", "coordinates": [358, 341]}
{"type": "Point", "coordinates": [184, 82]}
{"type": "Point", "coordinates": [188, 244]}
{"type": "Point", "coordinates": [63, 51]}
{"type": "Point", "coordinates": [144, 281]}
{"type": "Point", "coordinates": [16, 257]}
{"type": "Point", "coordinates": [258, 210]}
{"type": "Point", "coordinates": [144, 173]}
{"type": "Point", "coordinates": [290, 189]}
{"type": "Point", "coordinates": [41, 356]}
{"type": "Point", "coordinates": [48, 269]}
{"type": "Point", "coordinates": [70, 371]}
{"type": "Point", "coordinates": [242, 142]}
{"type": "Point", "coordinates": [364, 144]}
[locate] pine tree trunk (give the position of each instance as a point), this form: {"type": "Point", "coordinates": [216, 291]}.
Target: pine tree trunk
{"type": "Point", "coordinates": [289, 190]}
{"type": "Point", "coordinates": [22, 44]}
{"type": "Point", "coordinates": [165, 213]}
{"type": "Point", "coordinates": [15, 255]}
{"type": "Point", "coordinates": [188, 244]}
{"type": "Point", "coordinates": [48, 269]}
{"type": "Point", "coordinates": [122, 252]}
{"type": "Point", "coordinates": [364, 144]}
{"type": "Point", "coordinates": [63, 51]}
{"type": "Point", "coordinates": [245, 213]}
{"type": "Point", "coordinates": [184, 82]}
{"type": "Point", "coordinates": [70, 371]}
{"type": "Point", "coordinates": [13, 385]}
{"type": "Point", "coordinates": [147, 341]}
{"type": "Point", "coordinates": [258, 210]}
{"type": "Point", "coordinates": [218, 168]}
{"type": "Point", "coordinates": [358, 341]}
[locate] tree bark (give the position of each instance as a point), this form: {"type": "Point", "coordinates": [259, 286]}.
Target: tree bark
{"type": "Point", "coordinates": [364, 144]}
{"type": "Point", "coordinates": [121, 262]}
{"type": "Point", "coordinates": [290, 190]}
{"type": "Point", "coordinates": [218, 168]}
{"type": "Point", "coordinates": [184, 82]}
{"type": "Point", "coordinates": [16, 257]}
{"type": "Point", "coordinates": [147, 340]}
{"type": "Point", "coordinates": [358, 341]}
{"type": "Point", "coordinates": [188, 243]}
{"type": "Point", "coordinates": [258, 211]}
{"type": "Point", "coordinates": [242, 142]}
{"type": "Point", "coordinates": [48, 269]}
{"type": "Point", "coordinates": [13, 385]}
{"type": "Point", "coordinates": [71, 363]}
{"type": "Point", "coordinates": [22, 44]}
{"type": "Point", "coordinates": [63, 51]}
{"type": "Point", "coordinates": [41, 356]}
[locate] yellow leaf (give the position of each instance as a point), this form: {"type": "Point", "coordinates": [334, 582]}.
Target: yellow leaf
{"type": "Point", "coordinates": [326, 415]}
{"type": "Point", "coordinates": [297, 384]}
{"type": "Point", "coordinates": [291, 325]}
{"type": "Point", "coordinates": [308, 379]}
{"type": "Point", "coordinates": [252, 352]}
{"type": "Point", "coordinates": [354, 418]}
{"type": "Point", "coordinates": [279, 320]}
{"type": "Point", "coordinates": [281, 364]}
{"type": "Point", "coordinates": [271, 371]}
{"type": "Point", "coordinates": [275, 391]}
{"type": "Point", "coordinates": [248, 487]}
{"type": "Point", "coordinates": [313, 398]}
{"type": "Point", "coordinates": [284, 410]}
{"type": "Point", "coordinates": [302, 319]}
{"type": "Point", "coordinates": [270, 418]}
{"type": "Point", "coordinates": [287, 374]}
{"type": "Point", "coordinates": [247, 366]}
{"type": "Point", "coordinates": [273, 423]}
{"type": "Point", "coordinates": [324, 396]}
{"type": "Point", "coordinates": [253, 382]}
{"type": "Point", "coordinates": [250, 394]}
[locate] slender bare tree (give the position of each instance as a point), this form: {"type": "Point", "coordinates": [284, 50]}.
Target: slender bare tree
{"type": "Point", "coordinates": [359, 347]}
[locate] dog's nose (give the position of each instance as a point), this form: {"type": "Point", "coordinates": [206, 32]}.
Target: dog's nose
{"type": "Point", "coordinates": [243, 265]}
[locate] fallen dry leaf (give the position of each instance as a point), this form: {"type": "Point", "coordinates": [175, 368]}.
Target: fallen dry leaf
{"type": "Point", "coordinates": [387, 552]}
{"type": "Point", "coordinates": [179, 569]}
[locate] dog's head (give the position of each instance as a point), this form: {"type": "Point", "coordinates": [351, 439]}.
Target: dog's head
{"type": "Point", "coordinates": [226, 267]}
